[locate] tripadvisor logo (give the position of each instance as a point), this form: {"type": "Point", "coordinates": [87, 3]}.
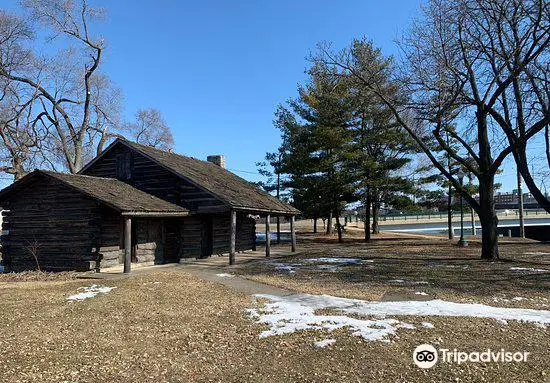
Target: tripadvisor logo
{"type": "Point", "coordinates": [426, 356]}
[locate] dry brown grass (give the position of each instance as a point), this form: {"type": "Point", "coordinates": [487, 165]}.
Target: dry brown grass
{"type": "Point", "coordinates": [167, 326]}
{"type": "Point", "coordinates": [39, 276]}
{"type": "Point", "coordinates": [453, 273]}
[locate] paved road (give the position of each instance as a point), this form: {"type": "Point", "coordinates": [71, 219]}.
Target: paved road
{"type": "Point", "coordinates": [442, 226]}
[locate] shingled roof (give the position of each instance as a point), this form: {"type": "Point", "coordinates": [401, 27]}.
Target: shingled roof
{"type": "Point", "coordinates": [223, 184]}
{"type": "Point", "coordinates": [111, 192]}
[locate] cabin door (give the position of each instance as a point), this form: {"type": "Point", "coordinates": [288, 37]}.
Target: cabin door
{"type": "Point", "coordinates": [207, 237]}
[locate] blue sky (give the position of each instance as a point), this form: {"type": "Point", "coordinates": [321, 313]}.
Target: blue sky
{"type": "Point", "coordinates": [218, 69]}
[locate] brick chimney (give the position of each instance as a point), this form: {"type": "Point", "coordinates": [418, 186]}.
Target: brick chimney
{"type": "Point", "coordinates": [217, 160]}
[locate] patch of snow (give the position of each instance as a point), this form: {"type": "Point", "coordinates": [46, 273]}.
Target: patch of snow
{"type": "Point", "coordinates": [396, 281]}
{"type": "Point", "coordinates": [331, 268]}
{"type": "Point", "coordinates": [282, 267]}
{"type": "Point", "coordinates": [422, 283]}
{"type": "Point", "coordinates": [421, 293]}
{"type": "Point", "coordinates": [536, 253]}
{"type": "Point", "coordinates": [324, 343]}
{"type": "Point", "coordinates": [285, 268]}
{"type": "Point", "coordinates": [89, 292]}
{"type": "Point", "coordinates": [285, 315]}
{"type": "Point", "coordinates": [427, 325]}
{"type": "Point", "coordinates": [528, 270]}
{"type": "Point", "coordinates": [225, 275]}
{"type": "Point", "coordinates": [436, 264]}
{"type": "Point", "coordinates": [345, 261]}
{"type": "Point", "coordinates": [502, 321]}
{"type": "Point", "coordinates": [152, 283]}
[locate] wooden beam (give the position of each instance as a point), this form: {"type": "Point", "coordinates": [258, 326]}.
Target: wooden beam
{"type": "Point", "coordinates": [278, 230]}
{"type": "Point", "coordinates": [127, 244]}
{"type": "Point", "coordinates": [267, 239]}
{"type": "Point", "coordinates": [233, 237]}
{"type": "Point", "coordinates": [293, 234]}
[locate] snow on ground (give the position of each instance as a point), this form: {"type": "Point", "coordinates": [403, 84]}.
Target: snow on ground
{"type": "Point", "coordinates": [427, 325]}
{"type": "Point", "coordinates": [225, 275]}
{"type": "Point", "coordinates": [324, 343]}
{"type": "Point", "coordinates": [323, 264]}
{"type": "Point", "coordinates": [437, 264]}
{"type": "Point", "coordinates": [89, 292]}
{"type": "Point", "coordinates": [285, 268]}
{"type": "Point", "coordinates": [290, 269]}
{"type": "Point", "coordinates": [536, 253]}
{"type": "Point", "coordinates": [344, 261]}
{"type": "Point", "coordinates": [421, 293]}
{"type": "Point", "coordinates": [285, 315]}
{"type": "Point", "coordinates": [396, 281]}
{"type": "Point", "coordinates": [528, 270]}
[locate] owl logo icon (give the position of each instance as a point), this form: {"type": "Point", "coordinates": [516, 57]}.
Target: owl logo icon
{"type": "Point", "coordinates": [425, 356]}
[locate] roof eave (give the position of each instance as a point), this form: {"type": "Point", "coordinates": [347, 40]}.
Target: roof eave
{"type": "Point", "coordinates": [266, 211]}
{"type": "Point", "coordinates": [155, 214]}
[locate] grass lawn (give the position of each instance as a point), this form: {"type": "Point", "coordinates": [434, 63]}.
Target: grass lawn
{"type": "Point", "coordinates": [169, 326]}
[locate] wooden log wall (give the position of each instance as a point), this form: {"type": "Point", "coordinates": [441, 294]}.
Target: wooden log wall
{"type": "Point", "coordinates": [60, 227]}
{"type": "Point", "coordinates": [152, 178]}
{"type": "Point", "coordinates": [111, 248]}
{"type": "Point", "coordinates": [246, 233]}
{"type": "Point", "coordinates": [191, 229]}
{"type": "Point", "coordinates": [149, 240]}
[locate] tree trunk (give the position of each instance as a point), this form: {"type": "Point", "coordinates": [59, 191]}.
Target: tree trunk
{"type": "Point", "coordinates": [521, 161]}
{"type": "Point", "coordinates": [315, 225]}
{"type": "Point", "coordinates": [450, 212]}
{"type": "Point", "coordinates": [329, 223]}
{"type": "Point", "coordinates": [367, 218]}
{"type": "Point", "coordinates": [520, 207]}
{"type": "Point", "coordinates": [375, 215]}
{"type": "Point", "coordinates": [339, 228]}
{"type": "Point", "coordinates": [488, 219]}
{"type": "Point", "coordinates": [473, 219]}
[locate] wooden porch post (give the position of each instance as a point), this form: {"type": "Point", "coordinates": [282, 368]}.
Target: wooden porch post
{"type": "Point", "coordinates": [293, 234]}
{"type": "Point", "coordinates": [127, 244]}
{"type": "Point", "coordinates": [233, 238]}
{"type": "Point", "coordinates": [278, 230]}
{"type": "Point", "coordinates": [267, 239]}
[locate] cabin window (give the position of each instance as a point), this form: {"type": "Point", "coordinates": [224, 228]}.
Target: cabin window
{"type": "Point", "coordinates": [124, 166]}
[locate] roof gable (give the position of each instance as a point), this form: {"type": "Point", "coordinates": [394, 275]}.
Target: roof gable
{"type": "Point", "coordinates": [233, 190]}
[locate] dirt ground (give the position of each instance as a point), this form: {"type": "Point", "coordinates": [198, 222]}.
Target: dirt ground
{"type": "Point", "coordinates": [169, 326]}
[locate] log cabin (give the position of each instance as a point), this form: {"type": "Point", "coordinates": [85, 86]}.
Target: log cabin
{"type": "Point", "coordinates": [133, 204]}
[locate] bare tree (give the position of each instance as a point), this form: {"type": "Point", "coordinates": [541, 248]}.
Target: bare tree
{"type": "Point", "coordinates": [450, 76]}
{"type": "Point", "coordinates": [65, 88]}
{"type": "Point", "coordinates": [150, 129]}
{"type": "Point", "coordinates": [107, 101]}
{"type": "Point", "coordinates": [20, 137]}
